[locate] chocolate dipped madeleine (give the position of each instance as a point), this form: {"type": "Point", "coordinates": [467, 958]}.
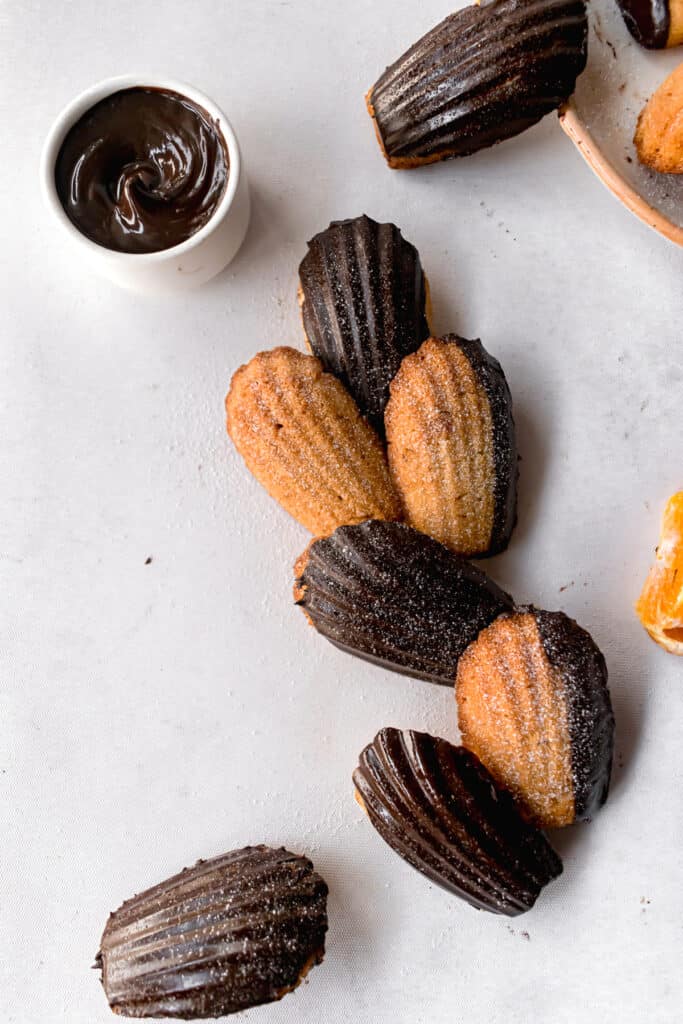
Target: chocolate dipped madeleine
{"type": "Point", "coordinates": [655, 24]}
{"type": "Point", "coordinates": [533, 705]}
{"type": "Point", "coordinates": [302, 436]}
{"type": "Point", "coordinates": [229, 933]}
{"type": "Point", "coordinates": [395, 597]}
{"type": "Point", "coordinates": [438, 808]}
{"type": "Point", "coordinates": [363, 299]}
{"type": "Point", "coordinates": [482, 75]}
{"type": "Point", "coordinates": [451, 445]}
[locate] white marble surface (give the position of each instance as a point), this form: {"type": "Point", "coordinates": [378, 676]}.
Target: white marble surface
{"type": "Point", "coordinates": [154, 714]}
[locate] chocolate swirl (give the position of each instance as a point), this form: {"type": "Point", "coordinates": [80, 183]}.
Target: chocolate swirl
{"type": "Point", "coordinates": [229, 933]}
{"type": "Point", "coordinates": [141, 171]}
{"type": "Point", "coordinates": [439, 809]}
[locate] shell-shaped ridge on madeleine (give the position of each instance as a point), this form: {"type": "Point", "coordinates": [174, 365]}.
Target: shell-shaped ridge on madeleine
{"type": "Point", "coordinates": [452, 447]}
{"type": "Point", "coordinates": [303, 438]}
{"type": "Point", "coordinates": [363, 304]}
{"type": "Point", "coordinates": [229, 933]}
{"type": "Point", "coordinates": [439, 809]}
{"type": "Point", "coordinates": [395, 597]}
{"type": "Point", "coordinates": [534, 706]}
{"type": "Point", "coordinates": [484, 74]}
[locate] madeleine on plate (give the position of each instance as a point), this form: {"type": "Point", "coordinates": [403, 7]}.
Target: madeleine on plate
{"type": "Point", "coordinates": [659, 132]}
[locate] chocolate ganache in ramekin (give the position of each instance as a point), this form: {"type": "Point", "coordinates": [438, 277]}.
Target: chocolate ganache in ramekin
{"type": "Point", "coordinates": [141, 171]}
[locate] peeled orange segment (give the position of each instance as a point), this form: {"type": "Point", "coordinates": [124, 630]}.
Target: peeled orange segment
{"type": "Point", "coordinates": [660, 606]}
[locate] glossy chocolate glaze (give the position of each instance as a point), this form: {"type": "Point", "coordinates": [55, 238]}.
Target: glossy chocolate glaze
{"type": "Point", "coordinates": [227, 934]}
{"type": "Point", "coordinates": [648, 21]}
{"type": "Point", "coordinates": [439, 809]}
{"type": "Point", "coordinates": [573, 652]}
{"type": "Point", "coordinates": [141, 171]}
{"type": "Point", "coordinates": [397, 598]}
{"type": "Point", "coordinates": [482, 75]}
{"type": "Point", "coordinates": [490, 375]}
{"type": "Point", "coordinates": [363, 306]}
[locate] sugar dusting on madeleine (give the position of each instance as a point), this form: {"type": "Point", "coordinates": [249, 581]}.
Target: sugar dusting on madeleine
{"type": "Point", "coordinates": [533, 705]}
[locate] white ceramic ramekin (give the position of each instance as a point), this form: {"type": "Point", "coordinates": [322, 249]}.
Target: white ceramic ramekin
{"type": "Point", "coordinates": [183, 266]}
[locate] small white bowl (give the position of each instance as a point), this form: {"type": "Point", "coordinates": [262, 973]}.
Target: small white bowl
{"type": "Point", "coordinates": [184, 266]}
